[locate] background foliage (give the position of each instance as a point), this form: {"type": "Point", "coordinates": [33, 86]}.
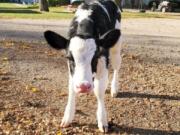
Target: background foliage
{"type": "Point", "coordinates": [58, 2]}
{"type": "Point", "coordinates": [4, 1]}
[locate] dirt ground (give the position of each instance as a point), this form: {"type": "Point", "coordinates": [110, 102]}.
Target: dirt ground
{"type": "Point", "coordinates": [33, 88]}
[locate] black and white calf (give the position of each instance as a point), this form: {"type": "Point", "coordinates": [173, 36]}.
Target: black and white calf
{"type": "Point", "coordinates": [94, 38]}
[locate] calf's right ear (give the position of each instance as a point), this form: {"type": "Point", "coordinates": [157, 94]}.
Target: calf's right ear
{"type": "Point", "coordinates": [109, 39]}
{"type": "Point", "coordinates": [55, 40]}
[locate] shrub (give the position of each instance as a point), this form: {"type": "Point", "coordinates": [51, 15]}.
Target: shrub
{"type": "Point", "coordinates": [33, 6]}
{"type": "Point", "coordinates": [5, 1]}
{"type": "Point", "coordinates": [58, 2]}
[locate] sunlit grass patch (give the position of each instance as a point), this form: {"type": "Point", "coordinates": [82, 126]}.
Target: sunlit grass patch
{"type": "Point", "coordinates": [128, 14]}
{"type": "Point", "coordinates": [19, 11]}
{"type": "Point", "coordinates": [11, 11]}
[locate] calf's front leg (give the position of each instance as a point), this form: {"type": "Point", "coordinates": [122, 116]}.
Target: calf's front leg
{"type": "Point", "coordinates": [100, 84]}
{"type": "Point", "coordinates": [70, 107]}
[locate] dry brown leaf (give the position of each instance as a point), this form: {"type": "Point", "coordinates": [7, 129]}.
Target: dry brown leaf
{"type": "Point", "coordinates": [5, 59]}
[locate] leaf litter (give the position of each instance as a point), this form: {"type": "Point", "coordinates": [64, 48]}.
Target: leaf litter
{"type": "Point", "coordinates": [33, 101]}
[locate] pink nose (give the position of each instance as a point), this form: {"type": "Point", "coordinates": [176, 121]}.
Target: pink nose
{"type": "Point", "coordinates": [84, 88]}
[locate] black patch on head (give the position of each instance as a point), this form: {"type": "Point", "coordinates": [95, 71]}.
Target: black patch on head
{"type": "Point", "coordinates": [94, 61]}
{"type": "Point", "coordinates": [85, 28]}
{"type": "Point", "coordinates": [72, 66]}
{"type": "Point", "coordinates": [71, 61]}
{"type": "Point", "coordinates": [73, 28]}
{"type": "Point", "coordinates": [99, 53]}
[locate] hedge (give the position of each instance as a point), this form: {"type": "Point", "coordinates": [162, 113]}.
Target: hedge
{"type": "Point", "coordinates": [58, 2]}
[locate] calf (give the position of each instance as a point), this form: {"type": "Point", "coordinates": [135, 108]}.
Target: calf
{"type": "Point", "coordinates": [93, 39]}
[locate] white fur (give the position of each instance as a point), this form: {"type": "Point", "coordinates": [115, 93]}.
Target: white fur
{"type": "Point", "coordinates": [70, 107]}
{"type": "Point", "coordinates": [118, 25]}
{"type": "Point", "coordinates": [83, 52]}
{"type": "Point", "coordinates": [82, 14]}
{"type": "Point", "coordinates": [100, 85]}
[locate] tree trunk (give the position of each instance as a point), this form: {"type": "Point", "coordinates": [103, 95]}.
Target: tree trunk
{"type": "Point", "coordinates": [43, 5]}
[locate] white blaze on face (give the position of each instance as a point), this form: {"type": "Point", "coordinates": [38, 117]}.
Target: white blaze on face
{"type": "Point", "coordinates": [82, 14]}
{"type": "Point", "coordinates": [83, 51]}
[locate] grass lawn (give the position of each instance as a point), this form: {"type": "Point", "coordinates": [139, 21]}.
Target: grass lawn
{"type": "Point", "coordinates": [12, 10]}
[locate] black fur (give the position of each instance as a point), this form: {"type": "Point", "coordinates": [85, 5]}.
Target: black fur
{"type": "Point", "coordinates": [108, 39]}
{"type": "Point", "coordinates": [98, 25]}
{"type": "Point", "coordinates": [71, 62]}
{"type": "Point", "coordinates": [99, 53]}
{"type": "Point", "coordinates": [55, 40]}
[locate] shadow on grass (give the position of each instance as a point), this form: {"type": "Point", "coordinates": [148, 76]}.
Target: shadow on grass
{"type": "Point", "coordinates": [62, 12]}
{"type": "Point", "coordinates": [18, 8]}
{"type": "Point", "coordinates": [19, 11]}
{"type": "Point", "coordinates": [142, 95]}
{"type": "Point", "coordinates": [14, 8]}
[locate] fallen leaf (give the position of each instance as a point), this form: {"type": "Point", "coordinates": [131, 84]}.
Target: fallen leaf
{"type": "Point", "coordinates": [4, 73]}
{"type": "Point", "coordinates": [59, 133]}
{"type": "Point", "coordinates": [34, 89]}
{"type": "Point", "coordinates": [63, 94]}
{"type": "Point", "coordinates": [5, 59]}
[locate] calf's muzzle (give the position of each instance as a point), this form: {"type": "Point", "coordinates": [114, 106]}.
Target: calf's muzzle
{"type": "Point", "coordinates": [84, 87]}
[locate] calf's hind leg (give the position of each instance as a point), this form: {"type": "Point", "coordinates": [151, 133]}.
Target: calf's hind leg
{"type": "Point", "coordinates": [116, 63]}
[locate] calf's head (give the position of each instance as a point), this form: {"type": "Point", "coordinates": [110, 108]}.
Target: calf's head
{"type": "Point", "coordinates": [82, 55]}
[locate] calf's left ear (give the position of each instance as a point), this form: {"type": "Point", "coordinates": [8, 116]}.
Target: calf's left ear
{"type": "Point", "coordinates": [55, 40]}
{"type": "Point", "coordinates": [109, 39]}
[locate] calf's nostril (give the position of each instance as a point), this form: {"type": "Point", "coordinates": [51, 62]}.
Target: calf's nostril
{"type": "Point", "coordinates": [84, 86]}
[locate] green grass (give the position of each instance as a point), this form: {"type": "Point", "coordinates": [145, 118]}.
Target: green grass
{"type": "Point", "coordinates": [11, 11]}
{"type": "Point", "coordinates": [128, 14]}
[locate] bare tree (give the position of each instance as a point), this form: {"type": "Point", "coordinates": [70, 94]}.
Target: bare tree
{"type": "Point", "coordinates": [43, 5]}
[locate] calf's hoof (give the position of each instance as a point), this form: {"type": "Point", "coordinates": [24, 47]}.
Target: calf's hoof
{"type": "Point", "coordinates": [65, 123]}
{"type": "Point", "coordinates": [114, 90]}
{"type": "Point", "coordinates": [114, 94]}
{"type": "Point", "coordinates": [103, 129]}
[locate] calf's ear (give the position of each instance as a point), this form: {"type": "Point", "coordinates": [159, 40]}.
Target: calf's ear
{"type": "Point", "coordinates": [55, 40]}
{"type": "Point", "coordinates": [109, 39]}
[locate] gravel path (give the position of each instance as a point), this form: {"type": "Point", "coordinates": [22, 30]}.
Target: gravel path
{"type": "Point", "coordinates": [32, 30]}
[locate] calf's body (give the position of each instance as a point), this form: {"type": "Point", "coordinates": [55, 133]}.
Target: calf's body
{"type": "Point", "coordinates": [93, 40]}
